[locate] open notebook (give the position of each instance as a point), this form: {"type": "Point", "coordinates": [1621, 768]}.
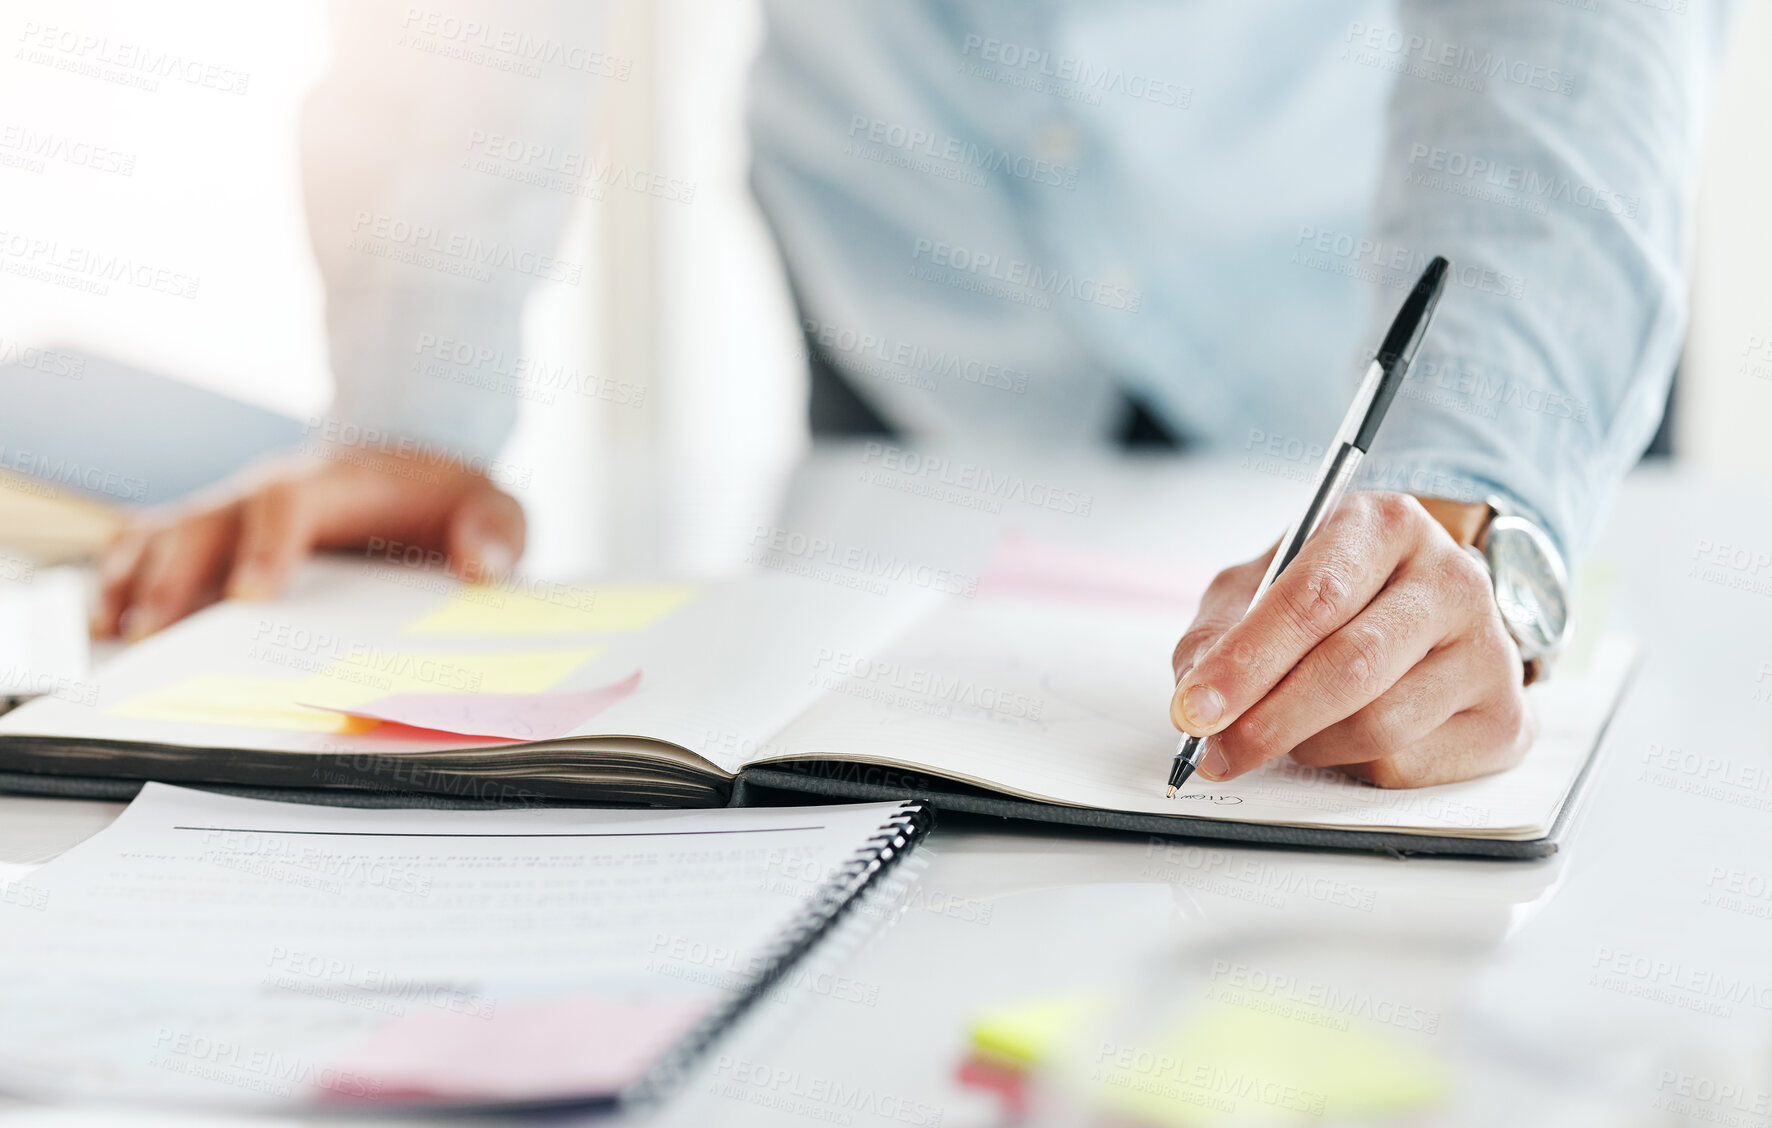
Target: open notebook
{"type": "Point", "coordinates": [1038, 689]}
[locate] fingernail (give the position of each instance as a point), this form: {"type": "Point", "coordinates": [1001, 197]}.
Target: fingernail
{"type": "Point", "coordinates": [139, 623]}
{"type": "Point", "coordinates": [1202, 705]}
{"type": "Point", "coordinates": [249, 583]}
{"type": "Point", "coordinates": [496, 560]}
{"type": "Point", "coordinates": [1215, 767]}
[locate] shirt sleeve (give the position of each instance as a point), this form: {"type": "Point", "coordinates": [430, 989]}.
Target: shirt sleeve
{"type": "Point", "coordinates": [1550, 151]}
{"type": "Point", "coordinates": [441, 154]}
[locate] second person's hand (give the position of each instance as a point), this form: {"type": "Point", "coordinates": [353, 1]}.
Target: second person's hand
{"type": "Point", "coordinates": [246, 543]}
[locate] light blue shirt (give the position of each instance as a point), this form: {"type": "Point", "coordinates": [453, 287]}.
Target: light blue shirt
{"type": "Point", "coordinates": [1001, 217]}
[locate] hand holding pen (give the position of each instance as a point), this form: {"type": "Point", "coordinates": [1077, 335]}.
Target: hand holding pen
{"type": "Point", "coordinates": [1367, 640]}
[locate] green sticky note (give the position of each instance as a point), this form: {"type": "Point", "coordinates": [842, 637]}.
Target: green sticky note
{"type": "Point", "coordinates": [1029, 1034]}
{"type": "Point", "coordinates": [1251, 1064]}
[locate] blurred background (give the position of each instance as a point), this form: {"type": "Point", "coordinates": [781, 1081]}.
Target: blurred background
{"type": "Point", "coordinates": [684, 297]}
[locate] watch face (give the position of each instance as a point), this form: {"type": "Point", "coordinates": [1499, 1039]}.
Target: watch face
{"type": "Point", "coordinates": [1529, 585]}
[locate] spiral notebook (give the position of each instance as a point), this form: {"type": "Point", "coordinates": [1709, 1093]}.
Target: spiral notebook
{"type": "Point", "coordinates": [219, 951]}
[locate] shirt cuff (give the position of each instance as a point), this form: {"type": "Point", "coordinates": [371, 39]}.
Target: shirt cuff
{"type": "Point", "coordinates": [1427, 473]}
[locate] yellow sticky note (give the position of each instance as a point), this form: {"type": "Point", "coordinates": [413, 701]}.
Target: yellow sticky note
{"type": "Point", "coordinates": [232, 699]}
{"type": "Point", "coordinates": [1306, 1065]}
{"type": "Point", "coordinates": [370, 673]}
{"type": "Point", "coordinates": [362, 676]}
{"type": "Point", "coordinates": [1028, 1034]}
{"type": "Point", "coordinates": [478, 611]}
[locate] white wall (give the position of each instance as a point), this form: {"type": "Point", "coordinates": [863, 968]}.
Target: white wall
{"type": "Point", "coordinates": [732, 381]}
{"type": "Point", "coordinates": [211, 192]}
{"type": "Point", "coordinates": [1724, 416]}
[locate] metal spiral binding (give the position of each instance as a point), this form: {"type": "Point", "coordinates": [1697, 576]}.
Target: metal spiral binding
{"type": "Point", "coordinates": [880, 853]}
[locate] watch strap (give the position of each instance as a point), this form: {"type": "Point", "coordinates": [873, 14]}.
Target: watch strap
{"type": "Point", "coordinates": [1462, 519]}
{"type": "Point", "coordinates": [1467, 523]}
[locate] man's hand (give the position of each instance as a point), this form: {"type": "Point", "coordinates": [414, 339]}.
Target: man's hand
{"type": "Point", "coordinates": [1379, 651]}
{"type": "Point", "coordinates": [245, 546]}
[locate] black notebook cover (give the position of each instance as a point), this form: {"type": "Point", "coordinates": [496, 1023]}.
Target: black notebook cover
{"type": "Point", "coordinates": [786, 784]}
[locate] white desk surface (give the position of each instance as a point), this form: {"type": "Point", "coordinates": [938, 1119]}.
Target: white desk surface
{"type": "Point", "coordinates": [1617, 984]}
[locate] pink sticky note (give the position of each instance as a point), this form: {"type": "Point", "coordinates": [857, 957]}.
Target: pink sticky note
{"type": "Point", "coordinates": [584, 1046]}
{"type": "Point", "coordinates": [1028, 567]}
{"type": "Point", "coordinates": [513, 716]}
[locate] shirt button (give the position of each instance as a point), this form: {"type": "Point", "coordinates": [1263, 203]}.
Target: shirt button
{"type": "Point", "coordinates": [1057, 141]}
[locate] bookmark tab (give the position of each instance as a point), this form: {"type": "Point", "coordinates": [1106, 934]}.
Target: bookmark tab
{"type": "Point", "coordinates": [1028, 567]}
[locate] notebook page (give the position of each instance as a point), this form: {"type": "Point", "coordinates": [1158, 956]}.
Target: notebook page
{"type": "Point", "coordinates": [1068, 703]}
{"type": "Point", "coordinates": [720, 668]}
{"type": "Point", "coordinates": [211, 949]}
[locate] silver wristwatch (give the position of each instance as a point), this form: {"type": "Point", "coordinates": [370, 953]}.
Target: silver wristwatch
{"type": "Point", "coordinates": [1531, 585]}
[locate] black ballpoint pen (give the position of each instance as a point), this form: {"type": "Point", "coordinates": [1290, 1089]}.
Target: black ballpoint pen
{"type": "Point", "coordinates": [1351, 443]}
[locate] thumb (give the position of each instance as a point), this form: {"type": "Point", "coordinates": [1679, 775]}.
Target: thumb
{"type": "Point", "coordinates": [1222, 607]}
{"type": "Point", "coordinates": [485, 535]}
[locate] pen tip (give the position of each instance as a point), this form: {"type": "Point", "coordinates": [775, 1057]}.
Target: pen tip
{"type": "Point", "coordinates": [1171, 793]}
